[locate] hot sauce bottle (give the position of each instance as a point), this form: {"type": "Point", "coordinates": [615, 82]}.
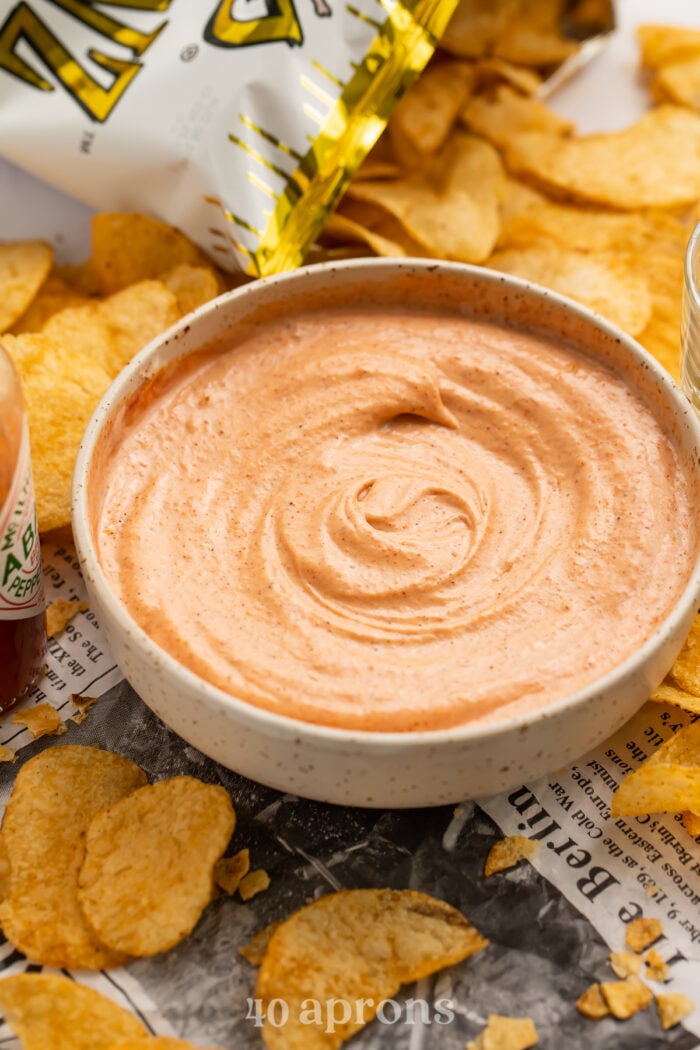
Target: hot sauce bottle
{"type": "Point", "coordinates": [22, 623]}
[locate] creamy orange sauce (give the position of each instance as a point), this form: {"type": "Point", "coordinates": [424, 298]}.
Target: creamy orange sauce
{"type": "Point", "coordinates": [395, 520]}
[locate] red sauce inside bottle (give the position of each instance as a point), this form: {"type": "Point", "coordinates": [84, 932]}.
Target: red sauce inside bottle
{"type": "Point", "coordinates": [22, 650]}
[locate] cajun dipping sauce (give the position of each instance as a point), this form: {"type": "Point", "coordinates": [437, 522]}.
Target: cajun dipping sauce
{"type": "Point", "coordinates": [394, 519]}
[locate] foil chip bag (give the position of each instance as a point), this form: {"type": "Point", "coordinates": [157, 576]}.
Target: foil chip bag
{"type": "Point", "coordinates": [239, 121]}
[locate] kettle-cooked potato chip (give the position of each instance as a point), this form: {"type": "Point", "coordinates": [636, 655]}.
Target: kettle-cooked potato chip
{"type": "Point", "coordinates": [505, 1033]}
{"type": "Point", "coordinates": [504, 114]}
{"type": "Point", "coordinates": [423, 119]}
{"type": "Point", "coordinates": [129, 247]}
{"type": "Point", "coordinates": [24, 265]}
{"type": "Point", "coordinates": [55, 796]}
{"type": "Point", "coordinates": [686, 667]}
{"type": "Point", "coordinates": [148, 872]}
{"type": "Point", "coordinates": [356, 947]}
{"type": "Point", "coordinates": [54, 295]}
{"type": "Point", "coordinates": [49, 1012]}
{"type": "Point", "coordinates": [655, 163]}
{"type": "Point", "coordinates": [661, 44]}
{"type": "Point", "coordinates": [666, 782]}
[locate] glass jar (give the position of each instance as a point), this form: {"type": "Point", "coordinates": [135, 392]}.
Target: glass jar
{"type": "Point", "coordinates": [22, 620]}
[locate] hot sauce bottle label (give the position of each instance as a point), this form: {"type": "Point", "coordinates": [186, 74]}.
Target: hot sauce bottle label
{"type": "Point", "coordinates": [21, 580]}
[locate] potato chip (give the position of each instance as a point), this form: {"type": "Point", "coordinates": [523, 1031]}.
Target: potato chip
{"type": "Point", "coordinates": [504, 114]}
{"type": "Point", "coordinates": [229, 871]}
{"type": "Point", "coordinates": [508, 852]}
{"type": "Point", "coordinates": [476, 25]}
{"type": "Point", "coordinates": [452, 208]}
{"type": "Point", "coordinates": [342, 228]}
{"type": "Point", "coordinates": [60, 613]}
{"type": "Point", "coordinates": [127, 248]}
{"type": "Point", "coordinates": [7, 754]}
{"type": "Point", "coordinates": [496, 70]}
{"type": "Point", "coordinates": [691, 823]}
{"type": "Point", "coordinates": [679, 82]}
{"type": "Point", "coordinates": [24, 266]}
{"type": "Point", "coordinates": [113, 330]}
{"type": "Point", "coordinates": [626, 998]}
{"type": "Point", "coordinates": [253, 883]}
{"type": "Point", "coordinates": [655, 163]}
{"type": "Point", "coordinates": [254, 950]}
{"type": "Point", "coordinates": [656, 968]}
{"type": "Point", "coordinates": [54, 295]}
{"type": "Point", "coordinates": [42, 720]}
{"type": "Point", "coordinates": [423, 119]}
{"type": "Point", "coordinates": [672, 1007]}
{"type": "Point", "coordinates": [192, 286]}
{"type": "Point", "coordinates": [661, 44]}
{"type": "Point", "coordinates": [668, 693]}
{"type": "Point", "coordinates": [651, 889]}
{"type": "Point", "coordinates": [591, 1003]}
{"type": "Point", "coordinates": [61, 390]}
{"type": "Point", "coordinates": [686, 668]}
{"type": "Point", "coordinates": [84, 705]}
{"type": "Point", "coordinates": [148, 872]}
{"type": "Point", "coordinates": [533, 36]}
{"type": "Point", "coordinates": [49, 1012]}
{"type": "Point", "coordinates": [5, 870]}
{"type": "Point", "coordinates": [666, 782]}
{"type": "Point", "coordinates": [604, 282]}
{"type": "Point", "coordinates": [624, 964]}
{"type": "Point", "coordinates": [356, 947]}
{"type": "Point", "coordinates": [505, 1033]}
{"type": "Point", "coordinates": [55, 796]}
{"type": "Point", "coordinates": [640, 933]}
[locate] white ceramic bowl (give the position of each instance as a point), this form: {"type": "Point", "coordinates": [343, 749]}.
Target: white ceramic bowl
{"type": "Point", "coordinates": [407, 768]}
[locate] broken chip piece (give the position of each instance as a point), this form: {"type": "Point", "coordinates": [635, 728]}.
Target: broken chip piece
{"type": "Point", "coordinates": [505, 1033]}
{"type": "Point", "coordinates": [666, 782]}
{"type": "Point", "coordinates": [641, 933]}
{"type": "Point", "coordinates": [229, 871]}
{"type": "Point", "coordinates": [253, 883]}
{"type": "Point", "coordinates": [624, 964]}
{"type": "Point", "coordinates": [148, 872]}
{"type": "Point", "coordinates": [656, 968]}
{"type": "Point", "coordinates": [254, 950]}
{"type": "Point", "coordinates": [42, 720]}
{"type": "Point", "coordinates": [626, 998]}
{"type": "Point", "coordinates": [591, 1003]}
{"type": "Point", "coordinates": [60, 613]}
{"type": "Point", "coordinates": [508, 852]}
{"type": "Point", "coordinates": [672, 1007]}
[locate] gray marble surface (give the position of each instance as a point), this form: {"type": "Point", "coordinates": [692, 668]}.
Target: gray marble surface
{"type": "Point", "coordinates": [542, 953]}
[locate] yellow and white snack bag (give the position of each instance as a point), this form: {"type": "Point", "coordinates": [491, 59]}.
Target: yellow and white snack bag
{"type": "Point", "coordinates": [239, 121]}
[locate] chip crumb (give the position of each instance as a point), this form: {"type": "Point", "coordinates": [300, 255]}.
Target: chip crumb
{"type": "Point", "coordinates": [650, 889]}
{"type": "Point", "coordinates": [507, 852]}
{"type": "Point", "coordinates": [626, 998]}
{"type": "Point", "coordinates": [254, 949]}
{"type": "Point", "coordinates": [505, 1033]}
{"type": "Point", "coordinates": [253, 883]}
{"type": "Point", "coordinates": [691, 823]}
{"type": "Point", "coordinates": [591, 1003]}
{"type": "Point", "coordinates": [7, 754]}
{"type": "Point", "coordinates": [672, 1007]}
{"type": "Point", "coordinates": [641, 933]}
{"type": "Point", "coordinates": [42, 720]}
{"type": "Point", "coordinates": [228, 871]}
{"type": "Point", "coordinates": [657, 970]}
{"type": "Point", "coordinates": [84, 705]}
{"type": "Point", "coordinates": [60, 613]}
{"type": "Point", "coordinates": [624, 964]}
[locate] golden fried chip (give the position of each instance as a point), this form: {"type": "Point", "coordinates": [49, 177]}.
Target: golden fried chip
{"type": "Point", "coordinates": [533, 37]}
{"type": "Point", "coordinates": [424, 117]}
{"type": "Point", "coordinates": [691, 823]}
{"type": "Point", "coordinates": [626, 998]}
{"type": "Point", "coordinates": [666, 782]}
{"type": "Point", "coordinates": [148, 872]}
{"type": "Point", "coordinates": [192, 286]}
{"type": "Point", "coordinates": [54, 295]}
{"type": "Point", "coordinates": [505, 1033]}
{"type": "Point", "coordinates": [604, 282]}
{"type": "Point", "coordinates": [49, 1012]}
{"type": "Point", "coordinates": [356, 947]}
{"type": "Point", "coordinates": [672, 1007]}
{"type": "Point", "coordinates": [656, 968]}
{"type": "Point", "coordinates": [591, 1003]}
{"type": "Point", "coordinates": [61, 390]}
{"type": "Point", "coordinates": [451, 208]}
{"type": "Point", "coordinates": [253, 883]}
{"type": "Point", "coordinates": [84, 705]}
{"type": "Point", "coordinates": [340, 228]}
{"type": "Point", "coordinates": [127, 248]}
{"type": "Point", "coordinates": [254, 950]}
{"type": "Point", "coordinates": [5, 870]}
{"type": "Point", "coordinates": [640, 933]}
{"type": "Point", "coordinates": [60, 613]}
{"type": "Point", "coordinates": [655, 163]}
{"type": "Point", "coordinates": [668, 693]}
{"type": "Point", "coordinates": [679, 82]}
{"type": "Point", "coordinates": [686, 668]}
{"type": "Point", "coordinates": [651, 889]}
{"type": "Point", "coordinates": [475, 26]}
{"type": "Point", "coordinates": [55, 796]}
{"type": "Point", "coordinates": [42, 720]}
{"type": "Point", "coordinates": [507, 852]}
{"type": "Point", "coordinates": [497, 70]}
{"type": "Point", "coordinates": [661, 44]}
{"type": "Point", "coordinates": [506, 113]}
{"type": "Point", "coordinates": [24, 266]}
{"type": "Point", "coordinates": [7, 754]}
{"type": "Point", "coordinates": [624, 964]}
{"type": "Point", "coordinates": [229, 871]}
{"type": "Point", "coordinates": [112, 331]}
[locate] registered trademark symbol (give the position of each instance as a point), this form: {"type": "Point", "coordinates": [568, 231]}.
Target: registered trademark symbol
{"type": "Point", "coordinates": [189, 52]}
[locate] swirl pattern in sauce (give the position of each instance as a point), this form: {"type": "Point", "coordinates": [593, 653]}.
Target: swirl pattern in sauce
{"type": "Point", "coordinates": [396, 520]}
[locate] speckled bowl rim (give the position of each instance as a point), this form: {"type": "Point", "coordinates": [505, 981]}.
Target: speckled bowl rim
{"type": "Point", "coordinates": [371, 740]}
